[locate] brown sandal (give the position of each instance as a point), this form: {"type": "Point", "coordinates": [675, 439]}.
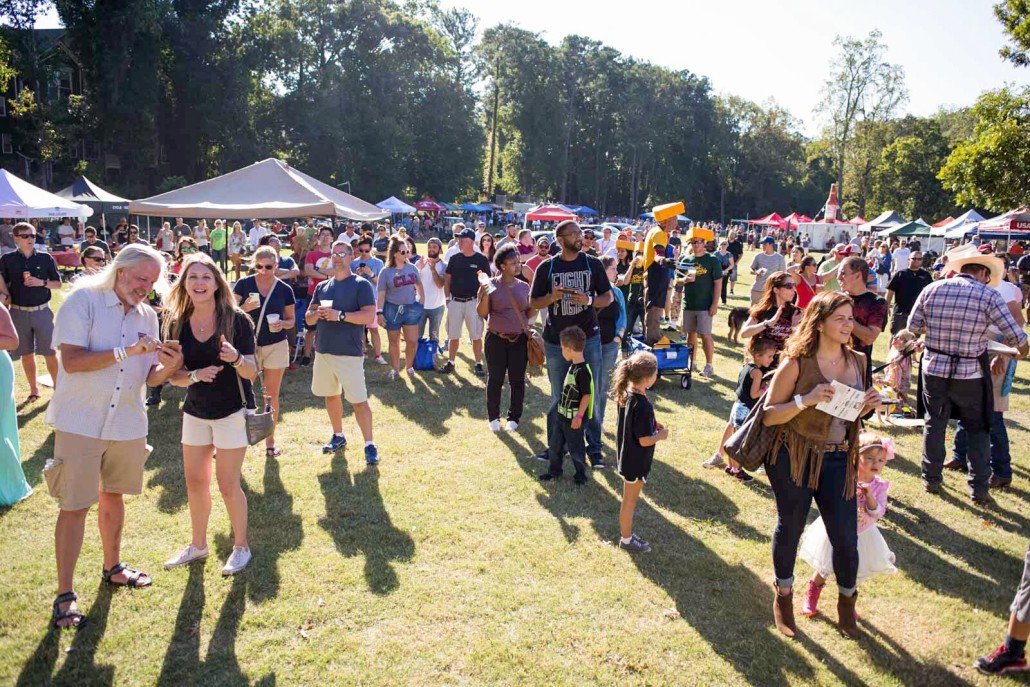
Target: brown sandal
{"type": "Point", "coordinates": [132, 577]}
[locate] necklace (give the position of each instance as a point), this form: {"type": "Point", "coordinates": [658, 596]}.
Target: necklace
{"type": "Point", "coordinates": [195, 323]}
{"type": "Point", "coordinates": [832, 363]}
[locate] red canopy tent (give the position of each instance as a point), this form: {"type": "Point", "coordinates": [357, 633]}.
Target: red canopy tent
{"type": "Point", "coordinates": [1012, 221]}
{"type": "Point", "coordinates": [943, 222]}
{"type": "Point", "coordinates": [856, 220]}
{"type": "Point", "coordinates": [429, 205]}
{"type": "Point", "coordinates": [773, 219]}
{"type": "Point", "coordinates": [792, 220]}
{"type": "Point", "coordinates": [549, 213]}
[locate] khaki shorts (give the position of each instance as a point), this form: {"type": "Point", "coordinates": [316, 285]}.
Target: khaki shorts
{"type": "Point", "coordinates": [336, 374]}
{"type": "Point", "coordinates": [274, 356]}
{"type": "Point", "coordinates": [699, 321]}
{"type": "Point", "coordinates": [226, 432]}
{"type": "Point", "coordinates": [82, 467]}
{"type": "Point", "coordinates": [459, 313]}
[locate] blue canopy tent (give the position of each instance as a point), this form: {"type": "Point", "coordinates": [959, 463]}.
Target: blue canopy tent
{"type": "Point", "coordinates": [476, 207]}
{"type": "Point", "coordinates": [395, 206]}
{"type": "Point", "coordinates": [582, 210]}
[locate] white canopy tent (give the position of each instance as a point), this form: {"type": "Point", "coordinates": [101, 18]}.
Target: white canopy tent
{"type": "Point", "coordinates": [957, 229]}
{"type": "Point", "coordinates": [269, 189]}
{"type": "Point", "coordinates": [21, 200]}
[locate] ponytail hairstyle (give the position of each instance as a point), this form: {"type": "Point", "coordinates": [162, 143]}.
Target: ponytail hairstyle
{"type": "Point", "coordinates": [632, 370]}
{"type": "Point", "coordinates": [756, 346]}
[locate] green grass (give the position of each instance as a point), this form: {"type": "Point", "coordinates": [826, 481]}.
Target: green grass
{"type": "Point", "coordinates": [452, 565]}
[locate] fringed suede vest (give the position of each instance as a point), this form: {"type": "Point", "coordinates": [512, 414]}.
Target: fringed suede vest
{"type": "Point", "coordinates": [805, 434]}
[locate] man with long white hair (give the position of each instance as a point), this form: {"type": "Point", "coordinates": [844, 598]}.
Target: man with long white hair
{"type": "Point", "coordinates": [107, 336]}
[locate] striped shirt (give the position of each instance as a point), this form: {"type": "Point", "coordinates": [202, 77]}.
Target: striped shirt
{"type": "Point", "coordinates": [956, 315]}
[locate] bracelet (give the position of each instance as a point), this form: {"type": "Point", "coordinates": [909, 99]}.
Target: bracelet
{"type": "Point", "coordinates": [192, 376]}
{"type": "Point", "coordinates": [799, 402]}
{"type": "Point", "coordinates": [238, 361]}
{"type": "Point", "coordinates": [120, 354]}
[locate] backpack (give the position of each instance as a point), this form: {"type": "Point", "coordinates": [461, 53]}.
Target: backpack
{"type": "Point", "coordinates": [425, 354]}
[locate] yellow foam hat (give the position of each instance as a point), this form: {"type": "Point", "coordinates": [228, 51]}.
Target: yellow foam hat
{"type": "Point", "coordinates": [664, 212]}
{"type": "Point", "coordinates": [656, 236]}
{"type": "Point", "coordinates": [700, 233]}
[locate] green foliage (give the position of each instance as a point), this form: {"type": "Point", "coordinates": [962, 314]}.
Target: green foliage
{"type": "Point", "coordinates": [906, 180]}
{"type": "Point", "coordinates": [171, 183]}
{"type": "Point", "coordinates": [1014, 16]}
{"type": "Point", "coordinates": [992, 170]}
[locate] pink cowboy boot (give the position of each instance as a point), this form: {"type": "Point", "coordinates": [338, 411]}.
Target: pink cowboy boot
{"type": "Point", "coordinates": [812, 598]}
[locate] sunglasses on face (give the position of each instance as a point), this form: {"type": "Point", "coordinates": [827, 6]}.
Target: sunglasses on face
{"type": "Point", "coordinates": [341, 254]}
{"type": "Point", "coordinates": [696, 241]}
{"type": "Point", "coordinates": [788, 285]}
{"type": "Point", "coordinates": [25, 236]}
{"type": "Point", "coordinates": [96, 259]}
{"type": "Point", "coordinates": [264, 267]}
{"type": "Point", "coordinates": [404, 252]}
{"type": "Point", "coordinates": [189, 249]}
{"type": "Point", "coordinates": [362, 250]}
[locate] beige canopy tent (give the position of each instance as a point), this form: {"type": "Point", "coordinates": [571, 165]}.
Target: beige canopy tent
{"type": "Point", "coordinates": [269, 189]}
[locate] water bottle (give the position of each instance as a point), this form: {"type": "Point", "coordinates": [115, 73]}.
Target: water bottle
{"type": "Point", "coordinates": [484, 280]}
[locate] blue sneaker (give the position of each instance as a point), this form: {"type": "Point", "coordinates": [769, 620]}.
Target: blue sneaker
{"type": "Point", "coordinates": [371, 455]}
{"type": "Point", "coordinates": [335, 444]}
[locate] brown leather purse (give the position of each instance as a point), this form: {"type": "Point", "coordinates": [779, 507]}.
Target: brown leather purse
{"type": "Point", "coordinates": [534, 342]}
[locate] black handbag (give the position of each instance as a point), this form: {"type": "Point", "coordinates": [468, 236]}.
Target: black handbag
{"type": "Point", "coordinates": [752, 443]}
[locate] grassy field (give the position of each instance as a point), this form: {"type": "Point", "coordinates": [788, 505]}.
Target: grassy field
{"type": "Point", "coordinates": [451, 564]}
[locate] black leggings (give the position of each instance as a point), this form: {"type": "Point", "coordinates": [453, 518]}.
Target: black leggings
{"type": "Point", "coordinates": [504, 357]}
{"type": "Point", "coordinates": [634, 313]}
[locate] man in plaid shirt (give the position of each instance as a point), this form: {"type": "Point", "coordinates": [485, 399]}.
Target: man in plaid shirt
{"type": "Point", "coordinates": [955, 315]}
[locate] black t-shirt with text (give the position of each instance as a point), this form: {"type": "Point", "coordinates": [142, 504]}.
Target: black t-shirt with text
{"type": "Point", "coordinates": [463, 270]}
{"type": "Point", "coordinates": [585, 274]}
{"type": "Point", "coordinates": [220, 397]}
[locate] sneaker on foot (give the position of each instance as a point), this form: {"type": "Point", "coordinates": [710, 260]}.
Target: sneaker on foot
{"type": "Point", "coordinates": [760, 470]}
{"type": "Point", "coordinates": [238, 560]}
{"type": "Point", "coordinates": [811, 598]}
{"type": "Point", "coordinates": [635, 545]}
{"type": "Point", "coordinates": [580, 480]}
{"type": "Point", "coordinates": [393, 374]}
{"type": "Point", "coordinates": [411, 372]}
{"type": "Point", "coordinates": [548, 476]}
{"type": "Point", "coordinates": [544, 456]}
{"type": "Point", "coordinates": [381, 360]}
{"type": "Point", "coordinates": [743, 477]}
{"type": "Point", "coordinates": [495, 425]}
{"type": "Point", "coordinates": [596, 461]}
{"type": "Point", "coordinates": [335, 444]}
{"type": "Point", "coordinates": [715, 461]}
{"type": "Point", "coordinates": [1000, 662]}
{"type": "Point", "coordinates": [305, 361]}
{"type": "Point", "coordinates": [186, 556]}
{"type": "Point", "coordinates": [480, 372]}
{"type": "Point", "coordinates": [511, 426]}
{"type": "Point", "coordinates": [707, 371]}
{"type": "Point", "coordinates": [371, 454]}
{"type": "Point", "coordinates": [448, 367]}
{"type": "Point", "coordinates": [983, 499]}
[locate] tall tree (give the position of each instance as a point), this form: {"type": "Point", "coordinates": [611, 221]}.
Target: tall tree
{"type": "Point", "coordinates": [1014, 16]}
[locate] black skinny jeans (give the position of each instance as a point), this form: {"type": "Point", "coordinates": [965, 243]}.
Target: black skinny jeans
{"type": "Point", "coordinates": [634, 313]}
{"type": "Point", "coordinates": [839, 515]}
{"type": "Point", "coordinates": [504, 357]}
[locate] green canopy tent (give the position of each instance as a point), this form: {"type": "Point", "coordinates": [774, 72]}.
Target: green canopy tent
{"type": "Point", "coordinates": [909, 230]}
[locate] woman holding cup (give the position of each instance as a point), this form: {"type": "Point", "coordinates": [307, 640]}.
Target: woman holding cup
{"type": "Point", "coordinates": [271, 305]}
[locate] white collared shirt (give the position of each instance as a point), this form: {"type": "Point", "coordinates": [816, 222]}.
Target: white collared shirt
{"type": "Point", "coordinates": [106, 403]}
{"type": "Point", "coordinates": [605, 246]}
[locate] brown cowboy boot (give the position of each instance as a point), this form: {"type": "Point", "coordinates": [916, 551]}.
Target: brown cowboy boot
{"type": "Point", "coordinates": [846, 618]}
{"type": "Point", "coordinates": [783, 611]}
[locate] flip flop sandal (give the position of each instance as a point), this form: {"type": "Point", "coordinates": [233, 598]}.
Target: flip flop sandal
{"type": "Point", "coordinates": [32, 398]}
{"type": "Point", "coordinates": [132, 577]}
{"type": "Point", "coordinates": [273, 452]}
{"type": "Point", "coordinates": [59, 615]}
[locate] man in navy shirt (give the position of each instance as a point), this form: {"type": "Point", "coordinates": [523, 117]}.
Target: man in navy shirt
{"type": "Point", "coordinates": [343, 306]}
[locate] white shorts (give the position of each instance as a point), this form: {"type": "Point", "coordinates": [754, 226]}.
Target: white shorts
{"type": "Point", "coordinates": [227, 432]}
{"type": "Point", "coordinates": [459, 313]}
{"type": "Point", "coordinates": [274, 356]}
{"type": "Point", "coordinates": [336, 374]}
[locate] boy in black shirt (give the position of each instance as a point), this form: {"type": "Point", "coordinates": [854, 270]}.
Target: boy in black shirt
{"type": "Point", "coordinates": [575, 406]}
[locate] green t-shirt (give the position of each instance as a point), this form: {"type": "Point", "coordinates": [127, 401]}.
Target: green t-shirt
{"type": "Point", "coordinates": [699, 294]}
{"type": "Point", "coordinates": [828, 272]}
{"type": "Point", "coordinates": [217, 238]}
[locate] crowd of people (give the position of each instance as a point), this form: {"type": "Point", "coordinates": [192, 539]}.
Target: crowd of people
{"type": "Point", "coordinates": [140, 316]}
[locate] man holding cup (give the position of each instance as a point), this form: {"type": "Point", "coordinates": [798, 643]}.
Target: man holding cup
{"type": "Point", "coordinates": [342, 307]}
{"type": "Point", "coordinates": [700, 274]}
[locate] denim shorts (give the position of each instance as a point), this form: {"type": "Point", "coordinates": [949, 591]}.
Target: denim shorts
{"type": "Point", "coordinates": [738, 413]}
{"type": "Point", "coordinates": [397, 316]}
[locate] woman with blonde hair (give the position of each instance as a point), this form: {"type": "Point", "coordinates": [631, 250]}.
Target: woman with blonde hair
{"type": "Point", "coordinates": [271, 305]}
{"type": "Point", "coordinates": [217, 340]}
{"type": "Point", "coordinates": [200, 233]}
{"type": "Point", "coordinates": [237, 246]}
{"type": "Point", "coordinates": [814, 454]}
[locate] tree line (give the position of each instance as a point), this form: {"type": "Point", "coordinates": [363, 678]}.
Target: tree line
{"type": "Point", "coordinates": [384, 98]}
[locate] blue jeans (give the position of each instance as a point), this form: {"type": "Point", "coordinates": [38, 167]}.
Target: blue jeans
{"type": "Point", "coordinates": [1001, 459]}
{"type": "Point", "coordinates": [602, 381]}
{"type": "Point", "coordinates": [792, 505]}
{"type": "Point", "coordinates": [557, 366]}
{"type": "Point", "coordinates": [433, 317]}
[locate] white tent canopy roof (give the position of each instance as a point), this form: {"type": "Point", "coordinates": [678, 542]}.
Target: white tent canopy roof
{"type": "Point", "coordinates": [21, 200]}
{"type": "Point", "coordinates": [968, 217]}
{"type": "Point", "coordinates": [269, 189]}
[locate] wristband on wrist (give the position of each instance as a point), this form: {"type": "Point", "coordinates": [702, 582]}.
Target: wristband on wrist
{"type": "Point", "coordinates": [192, 376]}
{"type": "Point", "coordinates": [799, 402]}
{"type": "Point", "coordinates": [579, 416]}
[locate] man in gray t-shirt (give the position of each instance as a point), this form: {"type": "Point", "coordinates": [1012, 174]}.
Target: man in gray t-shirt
{"type": "Point", "coordinates": [764, 264]}
{"type": "Point", "coordinates": [7, 237]}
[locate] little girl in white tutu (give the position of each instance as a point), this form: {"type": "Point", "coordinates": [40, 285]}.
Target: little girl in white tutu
{"type": "Point", "coordinates": [874, 557]}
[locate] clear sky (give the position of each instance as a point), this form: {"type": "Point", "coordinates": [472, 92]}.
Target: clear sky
{"type": "Point", "coordinates": [759, 49]}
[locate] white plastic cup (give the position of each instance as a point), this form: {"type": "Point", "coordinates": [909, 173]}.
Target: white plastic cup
{"type": "Point", "coordinates": [326, 303]}
{"type": "Point", "coordinates": [273, 319]}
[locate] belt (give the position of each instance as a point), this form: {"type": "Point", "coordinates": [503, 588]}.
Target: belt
{"type": "Point", "coordinates": [30, 308]}
{"type": "Point", "coordinates": [463, 300]}
{"type": "Point", "coordinates": [830, 448]}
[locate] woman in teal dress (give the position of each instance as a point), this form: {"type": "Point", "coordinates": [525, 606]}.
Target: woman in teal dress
{"type": "Point", "coordinates": [13, 487]}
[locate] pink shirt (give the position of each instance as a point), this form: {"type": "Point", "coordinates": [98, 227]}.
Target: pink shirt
{"type": "Point", "coordinates": [878, 489]}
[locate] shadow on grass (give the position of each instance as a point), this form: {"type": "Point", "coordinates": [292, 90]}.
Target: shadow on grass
{"type": "Point", "coordinates": [33, 467]}
{"type": "Point", "coordinates": [182, 664]}
{"type": "Point", "coordinates": [80, 666]}
{"type": "Point", "coordinates": [273, 528]}
{"type": "Point", "coordinates": [358, 522]}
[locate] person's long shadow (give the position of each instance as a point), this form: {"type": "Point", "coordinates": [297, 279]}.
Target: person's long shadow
{"type": "Point", "coordinates": [80, 666]}
{"type": "Point", "coordinates": [274, 528]}
{"type": "Point", "coordinates": [357, 520]}
{"type": "Point", "coordinates": [887, 653]}
{"type": "Point", "coordinates": [182, 658]}
{"type": "Point", "coordinates": [33, 467]}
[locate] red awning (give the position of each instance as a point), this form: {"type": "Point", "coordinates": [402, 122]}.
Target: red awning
{"type": "Point", "coordinates": [1014, 220]}
{"type": "Point", "coordinates": [792, 220]}
{"type": "Point", "coordinates": [429, 205]}
{"type": "Point", "coordinates": [942, 222]}
{"type": "Point", "coordinates": [550, 213]}
{"type": "Point", "coordinates": [773, 219]}
{"type": "Point", "coordinates": [857, 219]}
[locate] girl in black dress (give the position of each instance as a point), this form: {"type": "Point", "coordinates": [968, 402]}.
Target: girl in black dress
{"type": "Point", "coordinates": [636, 437]}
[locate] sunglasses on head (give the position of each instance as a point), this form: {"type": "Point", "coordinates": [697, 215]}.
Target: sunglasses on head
{"type": "Point", "coordinates": [788, 285]}
{"type": "Point", "coordinates": [264, 267]}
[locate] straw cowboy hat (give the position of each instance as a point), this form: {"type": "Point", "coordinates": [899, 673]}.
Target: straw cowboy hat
{"type": "Point", "coordinates": [969, 255]}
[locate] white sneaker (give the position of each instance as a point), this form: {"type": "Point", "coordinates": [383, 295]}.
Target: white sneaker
{"type": "Point", "coordinates": [760, 470]}
{"type": "Point", "coordinates": [495, 425]}
{"type": "Point", "coordinates": [511, 426]}
{"type": "Point", "coordinates": [707, 372]}
{"type": "Point", "coordinates": [238, 560]}
{"type": "Point", "coordinates": [381, 360]}
{"type": "Point", "coordinates": [715, 461]}
{"type": "Point", "coordinates": [393, 374]}
{"type": "Point", "coordinates": [186, 556]}
{"type": "Point", "coordinates": [411, 372]}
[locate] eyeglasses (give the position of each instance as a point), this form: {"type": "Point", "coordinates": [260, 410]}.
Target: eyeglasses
{"type": "Point", "coordinates": [788, 285]}
{"type": "Point", "coordinates": [694, 241]}
{"type": "Point", "coordinates": [363, 250]}
{"type": "Point", "coordinates": [95, 259]}
{"type": "Point", "coordinates": [264, 267]}
{"type": "Point", "coordinates": [25, 236]}
{"type": "Point", "coordinates": [341, 254]}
